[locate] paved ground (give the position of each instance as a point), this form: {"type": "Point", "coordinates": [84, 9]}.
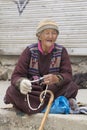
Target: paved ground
{"type": "Point", "coordinates": [12, 121]}
{"type": "Point", "coordinates": [81, 97]}
{"type": "Point", "coordinates": [3, 86]}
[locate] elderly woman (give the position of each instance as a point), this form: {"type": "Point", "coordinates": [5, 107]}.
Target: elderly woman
{"type": "Point", "coordinates": [44, 60]}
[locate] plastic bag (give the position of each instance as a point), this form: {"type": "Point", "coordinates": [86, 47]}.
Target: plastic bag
{"type": "Point", "coordinates": [59, 106]}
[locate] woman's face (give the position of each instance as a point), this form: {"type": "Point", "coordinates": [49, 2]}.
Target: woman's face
{"type": "Point", "coordinates": [48, 38]}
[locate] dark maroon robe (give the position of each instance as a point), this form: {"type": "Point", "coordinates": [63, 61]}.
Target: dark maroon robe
{"type": "Point", "coordinates": [66, 88]}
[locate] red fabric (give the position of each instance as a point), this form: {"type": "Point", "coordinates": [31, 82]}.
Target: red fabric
{"type": "Point", "coordinates": [40, 48]}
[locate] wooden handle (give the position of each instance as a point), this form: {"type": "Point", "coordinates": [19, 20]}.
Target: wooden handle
{"type": "Point", "coordinates": [47, 109]}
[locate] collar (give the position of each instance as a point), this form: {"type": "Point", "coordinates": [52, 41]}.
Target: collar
{"type": "Point", "coordinates": [40, 48]}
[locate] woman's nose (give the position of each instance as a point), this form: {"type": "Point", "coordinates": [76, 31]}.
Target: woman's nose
{"type": "Point", "coordinates": [50, 35]}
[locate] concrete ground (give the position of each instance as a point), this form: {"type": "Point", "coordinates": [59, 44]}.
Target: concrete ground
{"type": "Point", "coordinates": [81, 96]}
{"type": "Point", "coordinates": [9, 120]}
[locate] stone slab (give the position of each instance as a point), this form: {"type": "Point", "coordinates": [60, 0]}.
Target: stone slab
{"type": "Point", "coordinates": [9, 120]}
{"type": "Point", "coordinates": [12, 120]}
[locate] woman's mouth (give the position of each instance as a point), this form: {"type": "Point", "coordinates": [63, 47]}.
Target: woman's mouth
{"type": "Point", "coordinates": [49, 41]}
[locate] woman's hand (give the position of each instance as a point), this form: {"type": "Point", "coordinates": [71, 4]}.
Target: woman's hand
{"type": "Point", "coordinates": [50, 79]}
{"type": "Point", "coordinates": [25, 86]}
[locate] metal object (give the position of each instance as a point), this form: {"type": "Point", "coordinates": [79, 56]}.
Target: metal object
{"type": "Point", "coordinates": [48, 107]}
{"type": "Point", "coordinates": [41, 78]}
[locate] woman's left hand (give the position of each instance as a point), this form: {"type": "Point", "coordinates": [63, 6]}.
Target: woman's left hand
{"type": "Point", "coordinates": [50, 79]}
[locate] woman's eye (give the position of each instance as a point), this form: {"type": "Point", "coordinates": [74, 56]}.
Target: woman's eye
{"type": "Point", "coordinates": [54, 33]}
{"type": "Point", "coordinates": [47, 32]}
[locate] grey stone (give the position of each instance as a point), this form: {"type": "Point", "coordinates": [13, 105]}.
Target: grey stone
{"type": "Point", "coordinates": [12, 121]}
{"type": "Point", "coordinates": [3, 74]}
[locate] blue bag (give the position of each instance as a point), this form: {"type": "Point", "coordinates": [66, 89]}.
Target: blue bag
{"type": "Point", "coordinates": [59, 106]}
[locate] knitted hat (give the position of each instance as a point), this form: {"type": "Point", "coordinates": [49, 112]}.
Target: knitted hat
{"type": "Point", "coordinates": [46, 24]}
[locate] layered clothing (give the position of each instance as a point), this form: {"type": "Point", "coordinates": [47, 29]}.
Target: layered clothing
{"type": "Point", "coordinates": [34, 63]}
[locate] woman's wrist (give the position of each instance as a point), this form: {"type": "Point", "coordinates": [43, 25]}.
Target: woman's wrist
{"type": "Point", "coordinates": [17, 84]}
{"type": "Point", "coordinates": [60, 78]}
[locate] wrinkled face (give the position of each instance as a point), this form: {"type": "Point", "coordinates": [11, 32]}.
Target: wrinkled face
{"type": "Point", "coordinates": [48, 37]}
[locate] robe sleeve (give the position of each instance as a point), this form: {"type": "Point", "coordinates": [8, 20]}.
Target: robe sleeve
{"type": "Point", "coordinates": [65, 72]}
{"type": "Point", "coordinates": [65, 67]}
{"type": "Point", "coordinates": [21, 69]}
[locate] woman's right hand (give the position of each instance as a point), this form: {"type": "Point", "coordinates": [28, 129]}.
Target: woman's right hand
{"type": "Point", "coordinates": [25, 86]}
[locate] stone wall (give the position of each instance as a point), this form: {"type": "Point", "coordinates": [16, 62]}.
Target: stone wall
{"type": "Point", "coordinates": [7, 64]}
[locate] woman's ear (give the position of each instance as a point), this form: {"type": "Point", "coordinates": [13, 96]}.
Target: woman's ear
{"type": "Point", "coordinates": [39, 36]}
